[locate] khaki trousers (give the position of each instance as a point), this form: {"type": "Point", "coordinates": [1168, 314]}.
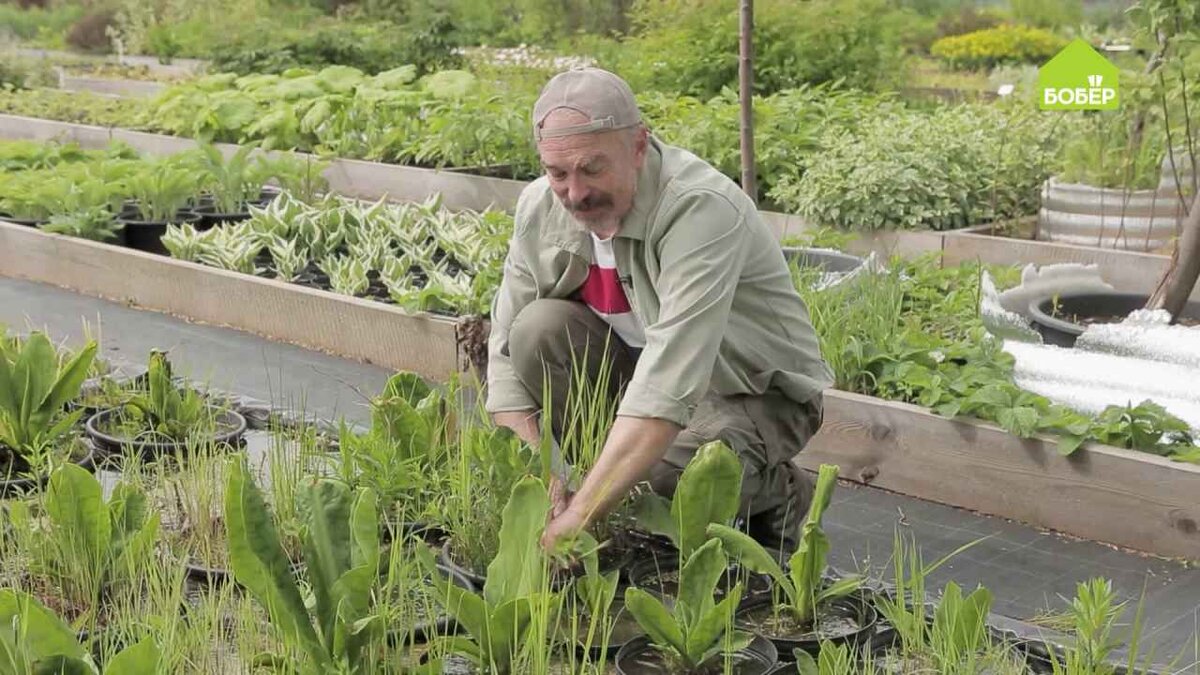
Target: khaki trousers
{"type": "Point", "coordinates": [556, 342]}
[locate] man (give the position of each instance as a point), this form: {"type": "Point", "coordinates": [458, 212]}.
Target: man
{"type": "Point", "coordinates": [637, 257]}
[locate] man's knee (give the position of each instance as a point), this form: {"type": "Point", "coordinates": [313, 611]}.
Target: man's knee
{"type": "Point", "coordinates": [538, 333]}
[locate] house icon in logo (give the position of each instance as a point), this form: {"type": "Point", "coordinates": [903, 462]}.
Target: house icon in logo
{"type": "Point", "coordinates": [1078, 78]}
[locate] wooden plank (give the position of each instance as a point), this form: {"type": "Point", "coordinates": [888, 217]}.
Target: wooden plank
{"type": "Point", "coordinates": [1125, 270]}
{"type": "Point", "coordinates": [356, 328]}
{"type": "Point", "coordinates": [1121, 497]}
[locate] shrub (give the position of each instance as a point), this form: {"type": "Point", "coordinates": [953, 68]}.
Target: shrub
{"type": "Point", "coordinates": [795, 43]}
{"type": "Point", "coordinates": [1005, 44]}
{"type": "Point", "coordinates": [90, 34]}
{"type": "Point", "coordinates": [968, 20]}
{"type": "Point", "coordinates": [370, 47]}
{"type": "Point", "coordinates": [941, 169]}
{"type": "Point", "coordinates": [45, 24]}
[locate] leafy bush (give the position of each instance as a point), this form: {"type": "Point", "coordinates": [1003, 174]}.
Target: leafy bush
{"type": "Point", "coordinates": [788, 128]}
{"type": "Point", "coordinates": [372, 48]}
{"type": "Point", "coordinates": [1005, 44]}
{"type": "Point", "coordinates": [795, 43]}
{"type": "Point", "coordinates": [38, 23]}
{"type": "Point", "coordinates": [965, 20]}
{"type": "Point", "coordinates": [943, 169]}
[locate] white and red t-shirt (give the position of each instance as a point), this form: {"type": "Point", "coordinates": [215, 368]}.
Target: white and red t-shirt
{"type": "Point", "coordinates": [602, 292]}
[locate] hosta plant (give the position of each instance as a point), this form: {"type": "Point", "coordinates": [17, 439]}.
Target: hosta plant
{"type": "Point", "coordinates": [96, 224]}
{"type": "Point", "coordinates": [35, 386]}
{"type": "Point", "coordinates": [803, 585]}
{"type": "Point", "coordinates": [695, 629]}
{"type": "Point", "coordinates": [161, 190]}
{"type": "Point", "coordinates": [185, 242]}
{"type": "Point", "coordinates": [232, 247]}
{"type": "Point", "coordinates": [347, 275]}
{"type": "Point", "coordinates": [34, 641]}
{"type": "Point", "coordinates": [499, 620]}
{"type": "Point", "coordinates": [288, 257]}
{"type": "Point", "coordinates": [231, 181]}
{"type": "Point", "coordinates": [340, 629]}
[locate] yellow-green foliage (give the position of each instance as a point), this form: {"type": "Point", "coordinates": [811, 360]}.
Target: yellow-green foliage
{"type": "Point", "coordinates": [1006, 44]}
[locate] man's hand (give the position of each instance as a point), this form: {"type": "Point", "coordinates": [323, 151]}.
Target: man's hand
{"type": "Point", "coordinates": [524, 424]}
{"type": "Point", "coordinates": [565, 525]}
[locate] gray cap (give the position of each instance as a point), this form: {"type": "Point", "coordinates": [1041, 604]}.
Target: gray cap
{"type": "Point", "coordinates": [603, 97]}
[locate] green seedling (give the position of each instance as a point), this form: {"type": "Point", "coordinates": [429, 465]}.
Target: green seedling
{"type": "Point", "coordinates": [163, 408]}
{"type": "Point", "coordinates": [34, 388]}
{"type": "Point", "coordinates": [803, 585]}
{"type": "Point", "coordinates": [709, 491]}
{"type": "Point", "coordinates": [499, 620]}
{"type": "Point", "coordinates": [696, 628]}
{"type": "Point", "coordinates": [340, 628]}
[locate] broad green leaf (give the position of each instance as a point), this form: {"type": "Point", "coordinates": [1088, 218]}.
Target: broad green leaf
{"type": "Point", "coordinates": [751, 555]}
{"type": "Point", "coordinates": [71, 378]}
{"type": "Point", "coordinates": [140, 659]}
{"type": "Point", "coordinates": [36, 369]}
{"type": "Point", "coordinates": [396, 78]}
{"type": "Point", "coordinates": [41, 633]}
{"type": "Point", "coordinates": [63, 665]}
{"type": "Point", "coordinates": [259, 563]}
{"type": "Point", "coordinates": [709, 630]}
{"type": "Point", "coordinates": [75, 504]}
{"type": "Point", "coordinates": [508, 625]}
{"type": "Point", "coordinates": [467, 608]}
{"type": "Point", "coordinates": [805, 664]}
{"type": "Point", "coordinates": [653, 513]}
{"type": "Point", "coordinates": [408, 386]}
{"type": "Point", "coordinates": [450, 84]}
{"type": "Point", "coordinates": [326, 505]}
{"type": "Point", "coordinates": [654, 618]}
{"type": "Point", "coordinates": [709, 491]}
{"type": "Point", "coordinates": [698, 582]}
{"type": "Point", "coordinates": [519, 567]}
{"type": "Point", "coordinates": [807, 565]}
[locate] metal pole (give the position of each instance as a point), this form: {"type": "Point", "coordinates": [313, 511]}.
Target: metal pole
{"type": "Point", "coordinates": [746, 97]}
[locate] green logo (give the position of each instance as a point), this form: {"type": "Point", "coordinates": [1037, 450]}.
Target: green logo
{"type": "Point", "coordinates": [1078, 78]}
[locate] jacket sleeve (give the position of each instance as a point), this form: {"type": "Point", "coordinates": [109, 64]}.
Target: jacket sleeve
{"type": "Point", "coordinates": [517, 289]}
{"type": "Point", "coordinates": [700, 261]}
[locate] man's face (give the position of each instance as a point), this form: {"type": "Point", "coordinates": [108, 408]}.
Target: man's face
{"type": "Point", "coordinates": [594, 175]}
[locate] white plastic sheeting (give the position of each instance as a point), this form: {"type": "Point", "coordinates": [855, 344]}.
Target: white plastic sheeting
{"type": "Point", "coordinates": [1141, 358]}
{"type": "Point", "coordinates": [1091, 381]}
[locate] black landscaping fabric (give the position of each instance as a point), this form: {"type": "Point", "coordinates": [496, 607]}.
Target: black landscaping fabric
{"type": "Point", "coordinates": [1028, 571]}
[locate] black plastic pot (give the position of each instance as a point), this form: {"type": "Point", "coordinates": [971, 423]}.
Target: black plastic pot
{"type": "Point", "coordinates": [646, 574]}
{"type": "Point", "coordinates": [1063, 333]}
{"type": "Point", "coordinates": [231, 426]}
{"type": "Point", "coordinates": [92, 384]}
{"type": "Point", "coordinates": [147, 235]}
{"type": "Point", "coordinates": [209, 216]}
{"type": "Point", "coordinates": [853, 607]}
{"type": "Point", "coordinates": [616, 642]}
{"type": "Point", "coordinates": [212, 577]}
{"type": "Point", "coordinates": [441, 626]}
{"type": "Point", "coordinates": [759, 658]}
{"type": "Point", "coordinates": [446, 560]}
{"type": "Point", "coordinates": [15, 487]}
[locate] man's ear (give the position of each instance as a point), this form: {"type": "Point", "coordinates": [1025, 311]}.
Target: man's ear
{"type": "Point", "coordinates": [641, 141]}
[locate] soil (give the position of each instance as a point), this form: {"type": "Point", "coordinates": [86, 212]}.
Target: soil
{"type": "Point", "coordinates": [653, 662]}
{"type": "Point", "coordinates": [832, 623]}
{"type": "Point", "coordinates": [668, 583]}
{"type": "Point", "coordinates": [1096, 320]}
